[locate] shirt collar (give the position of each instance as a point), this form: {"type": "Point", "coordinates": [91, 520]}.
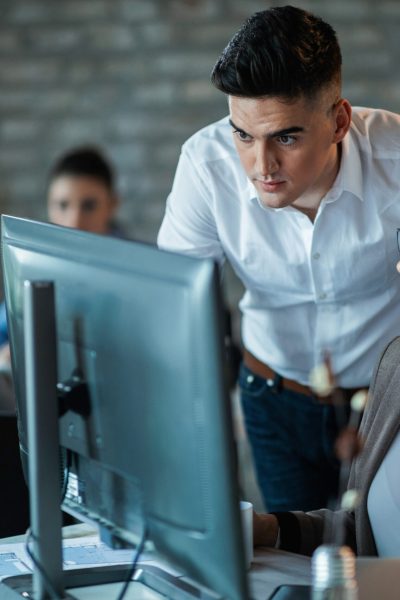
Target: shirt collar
{"type": "Point", "coordinates": [349, 178]}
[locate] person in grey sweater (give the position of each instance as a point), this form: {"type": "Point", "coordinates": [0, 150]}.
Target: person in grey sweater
{"type": "Point", "coordinates": [369, 529]}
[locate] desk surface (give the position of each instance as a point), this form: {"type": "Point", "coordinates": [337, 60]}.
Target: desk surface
{"type": "Point", "coordinates": [270, 568]}
{"type": "Point", "coordinates": [377, 578]}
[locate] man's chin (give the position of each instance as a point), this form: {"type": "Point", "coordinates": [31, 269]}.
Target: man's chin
{"type": "Point", "coordinates": [272, 201]}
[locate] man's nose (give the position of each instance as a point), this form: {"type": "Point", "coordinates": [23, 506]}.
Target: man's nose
{"type": "Point", "coordinates": [266, 161]}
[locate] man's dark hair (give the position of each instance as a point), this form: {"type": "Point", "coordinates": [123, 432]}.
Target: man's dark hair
{"type": "Point", "coordinates": [283, 51]}
{"type": "Point", "coordinates": [84, 161]}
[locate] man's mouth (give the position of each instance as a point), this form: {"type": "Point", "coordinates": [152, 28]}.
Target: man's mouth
{"type": "Point", "coordinates": [272, 185]}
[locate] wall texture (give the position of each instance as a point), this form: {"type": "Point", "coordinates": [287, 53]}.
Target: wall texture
{"type": "Point", "coordinates": [133, 76]}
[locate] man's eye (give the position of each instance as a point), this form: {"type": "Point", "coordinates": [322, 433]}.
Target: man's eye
{"type": "Point", "coordinates": [242, 135]}
{"type": "Point", "coordinates": [286, 140]}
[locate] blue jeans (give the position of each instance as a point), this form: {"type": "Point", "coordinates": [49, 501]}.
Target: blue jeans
{"type": "Point", "coordinates": [292, 437]}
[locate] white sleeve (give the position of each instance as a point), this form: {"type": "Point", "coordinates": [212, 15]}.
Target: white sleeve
{"type": "Point", "coordinates": [189, 225]}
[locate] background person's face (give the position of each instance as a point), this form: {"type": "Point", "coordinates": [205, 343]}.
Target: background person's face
{"type": "Point", "coordinates": [288, 150]}
{"type": "Point", "coordinates": [82, 202]}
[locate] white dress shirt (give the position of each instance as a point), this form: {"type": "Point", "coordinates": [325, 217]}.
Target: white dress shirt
{"type": "Point", "coordinates": [310, 287]}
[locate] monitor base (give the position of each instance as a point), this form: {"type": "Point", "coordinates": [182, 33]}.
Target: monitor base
{"type": "Point", "coordinates": [20, 587]}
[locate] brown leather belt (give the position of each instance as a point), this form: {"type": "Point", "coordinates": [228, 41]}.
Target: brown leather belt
{"type": "Point", "coordinates": [262, 370]}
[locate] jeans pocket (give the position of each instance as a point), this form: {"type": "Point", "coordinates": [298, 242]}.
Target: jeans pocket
{"type": "Point", "coordinates": [250, 383]}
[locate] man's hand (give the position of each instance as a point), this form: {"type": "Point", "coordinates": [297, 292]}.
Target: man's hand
{"type": "Point", "coordinates": [265, 530]}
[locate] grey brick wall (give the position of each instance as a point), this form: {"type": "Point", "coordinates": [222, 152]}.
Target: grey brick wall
{"type": "Point", "coordinates": [133, 76]}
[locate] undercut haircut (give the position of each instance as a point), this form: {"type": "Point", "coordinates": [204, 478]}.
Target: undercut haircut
{"type": "Point", "coordinates": [283, 51]}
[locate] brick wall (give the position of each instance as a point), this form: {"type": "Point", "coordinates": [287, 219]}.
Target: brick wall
{"type": "Point", "coordinates": [133, 75]}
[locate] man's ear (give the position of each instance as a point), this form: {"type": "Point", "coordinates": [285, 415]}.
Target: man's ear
{"type": "Point", "coordinates": [342, 116]}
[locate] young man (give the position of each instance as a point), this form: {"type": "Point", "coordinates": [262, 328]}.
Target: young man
{"type": "Point", "coordinates": [301, 194]}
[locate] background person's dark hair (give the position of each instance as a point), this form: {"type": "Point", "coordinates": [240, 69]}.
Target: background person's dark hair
{"type": "Point", "coordinates": [84, 161]}
{"type": "Point", "coordinates": [283, 51]}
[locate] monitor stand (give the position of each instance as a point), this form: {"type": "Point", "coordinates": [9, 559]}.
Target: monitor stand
{"type": "Point", "coordinates": [147, 579]}
{"type": "Point", "coordinates": [43, 458]}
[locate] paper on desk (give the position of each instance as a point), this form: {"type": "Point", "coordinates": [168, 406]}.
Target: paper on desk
{"type": "Point", "coordinates": [11, 563]}
{"type": "Point", "coordinates": [77, 553]}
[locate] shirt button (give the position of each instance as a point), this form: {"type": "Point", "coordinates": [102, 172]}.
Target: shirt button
{"type": "Point", "coordinates": [250, 378]}
{"type": "Point", "coordinates": [322, 296]}
{"type": "Point", "coordinates": [270, 382]}
{"type": "Point", "coordinates": [316, 255]}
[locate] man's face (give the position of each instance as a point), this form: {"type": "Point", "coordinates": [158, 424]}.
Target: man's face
{"type": "Point", "coordinates": [82, 202]}
{"type": "Point", "coordinates": [289, 150]}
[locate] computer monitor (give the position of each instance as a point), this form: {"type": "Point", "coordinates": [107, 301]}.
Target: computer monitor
{"type": "Point", "coordinates": [145, 424]}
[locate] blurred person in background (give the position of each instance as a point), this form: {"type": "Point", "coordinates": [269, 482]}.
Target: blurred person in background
{"type": "Point", "coordinates": [81, 194]}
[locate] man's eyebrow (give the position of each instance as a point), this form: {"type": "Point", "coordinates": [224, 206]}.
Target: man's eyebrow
{"type": "Point", "coordinates": [279, 133]}
{"type": "Point", "coordinates": [287, 131]}
{"type": "Point", "coordinates": [232, 124]}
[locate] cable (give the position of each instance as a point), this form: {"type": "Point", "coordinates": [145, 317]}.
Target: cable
{"type": "Point", "coordinates": [48, 584]}
{"type": "Point", "coordinates": [131, 571]}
